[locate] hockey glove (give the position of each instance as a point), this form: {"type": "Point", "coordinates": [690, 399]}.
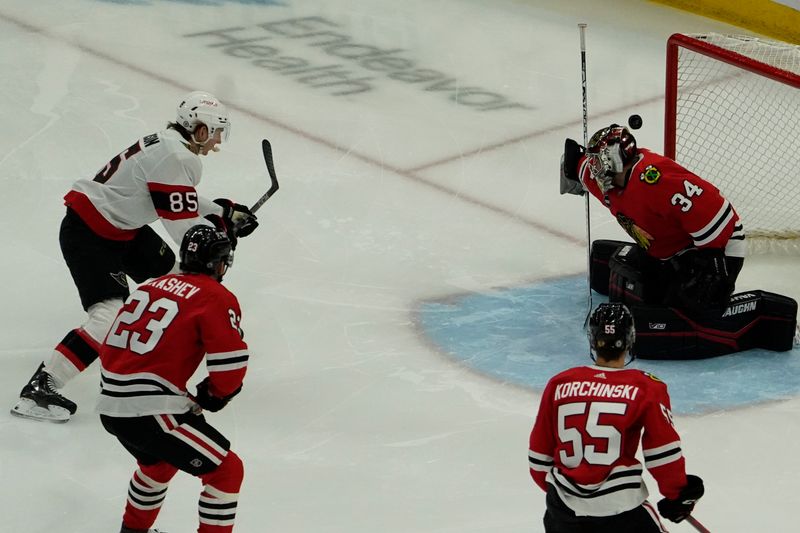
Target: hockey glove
{"type": "Point", "coordinates": [678, 509]}
{"type": "Point", "coordinates": [208, 401]}
{"type": "Point", "coordinates": [703, 279]}
{"type": "Point", "coordinates": [224, 227]}
{"type": "Point", "coordinates": [238, 216]}
{"type": "Point", "coordinates": [570, 184]}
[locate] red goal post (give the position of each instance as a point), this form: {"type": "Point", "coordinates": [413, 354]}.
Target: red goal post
{"type": "Point", "coordinates": [732, 116]}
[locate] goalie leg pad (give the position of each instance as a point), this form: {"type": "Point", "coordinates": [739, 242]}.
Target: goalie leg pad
{"type": "Point", "coordinates": [635, 277]}
{"type": "Point", "coordinates": [600, 255]}
{"type": "Point", "coordinates": [753, 319]}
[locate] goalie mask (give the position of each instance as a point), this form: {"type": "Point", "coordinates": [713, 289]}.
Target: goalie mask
{"type": "Point", "coordinates": [200, 107]}
{"type": "Point", "coordinates": [610, 149]}
{"type": "Point", "coordinates": [611, 330]}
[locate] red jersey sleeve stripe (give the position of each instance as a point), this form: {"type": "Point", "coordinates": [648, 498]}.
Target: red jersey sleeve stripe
{"type": "Point", "coordinates": [539, 461]}
{"type": "Point", "coordinates": [662, 455]}
{"type": "Point", "coordinates": [163, 187]}
{"type": "Point", "coordinates": [713, 229]}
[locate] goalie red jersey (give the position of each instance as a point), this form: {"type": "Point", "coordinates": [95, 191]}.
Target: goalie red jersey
{"type": "Point", "coordinates": [665, 208]}
{"type": "Point", "coordinates": [165, 330]}
{"type": "Point", "coordinates": [587, 433]}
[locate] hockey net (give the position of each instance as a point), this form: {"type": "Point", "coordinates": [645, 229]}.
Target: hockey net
{"type": "Point", "coordinates": [732, 116]}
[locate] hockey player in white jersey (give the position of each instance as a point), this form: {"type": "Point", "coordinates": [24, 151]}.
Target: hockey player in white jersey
{"type": "Point", "coordinates": [105, 236]}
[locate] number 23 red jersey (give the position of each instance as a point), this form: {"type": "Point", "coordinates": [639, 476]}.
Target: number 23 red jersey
{"type": "Point", "coordinates": [587, 432]}
{"type": "Point", "coordinates": [165, 330]}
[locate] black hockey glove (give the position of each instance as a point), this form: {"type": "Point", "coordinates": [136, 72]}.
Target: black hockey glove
{"type": "Point", "coordinates": [703, 280]}
{"type": "Point", "coordinates": [224, 227]}
{"type": "Point", "coordinates": [238, 216]}
{"type": "Point", "coordinates": [570, 184]}
{"type": "Point", "coordinates": [209, 402]}
{"type": "Point", "coordinates": [678, 509]}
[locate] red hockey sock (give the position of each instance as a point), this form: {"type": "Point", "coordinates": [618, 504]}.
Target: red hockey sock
{"type": "Point", "coordinates": [146, 493]}
{"type": "Point", "coordinates": [217, 504]}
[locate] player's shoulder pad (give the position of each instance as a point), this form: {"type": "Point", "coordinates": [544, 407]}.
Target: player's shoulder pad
{"type": "Point", "coordinates": [652, 377]}
{"type": "Point", "coordinates": [652, 381]}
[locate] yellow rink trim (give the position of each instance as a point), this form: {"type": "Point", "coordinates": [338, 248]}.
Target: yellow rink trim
{"type": "Point", "coordinates": [760, 16]}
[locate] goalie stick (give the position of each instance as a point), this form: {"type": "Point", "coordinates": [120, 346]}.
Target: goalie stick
{"type": "Point", "coordinates": [582, 29]}
{"type": "Point", "coordinates": [266, 149]}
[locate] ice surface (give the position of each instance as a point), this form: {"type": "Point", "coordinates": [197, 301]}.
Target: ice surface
{"type": "Point", "coordinates": [352, 419]}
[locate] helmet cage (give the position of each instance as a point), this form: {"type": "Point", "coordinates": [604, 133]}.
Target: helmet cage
{"type": "Point", "coordinates": [610, 149]}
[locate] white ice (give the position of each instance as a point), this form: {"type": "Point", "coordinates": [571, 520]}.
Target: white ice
{"type": "Point", "coordinates": [350, 421]}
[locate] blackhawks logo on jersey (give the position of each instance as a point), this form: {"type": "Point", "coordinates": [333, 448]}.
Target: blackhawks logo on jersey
{"type": "Point", "coordinates": [639, 235]}
{"type": "Point", "coordinates": [651, 175]}
{"type": "Point", "coordinates": [652, 376]}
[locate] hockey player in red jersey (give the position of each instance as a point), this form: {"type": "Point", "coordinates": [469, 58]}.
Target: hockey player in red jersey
{"type": "Point", "coordinates": [105, 236]}
{"type": "Point", "coordinates": [678, 275]}
{"type": "Point", "coordinates": [587, 432]}
{"type": "Point", "coordinates": [167, 328]}
{"type": "Point", "coordinates": [689, 236]}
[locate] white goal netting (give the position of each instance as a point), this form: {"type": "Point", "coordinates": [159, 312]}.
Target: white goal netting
{"type": "Point", "coordinates": [733, 118]}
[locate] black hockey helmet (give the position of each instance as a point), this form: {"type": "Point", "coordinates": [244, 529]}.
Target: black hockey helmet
{"type": "Point", "coordinates": [204, 249]}
{"type": "Point", "coordinates": [611, 330]}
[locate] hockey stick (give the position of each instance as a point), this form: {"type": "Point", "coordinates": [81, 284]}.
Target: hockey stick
{"type": "Point", "coordinates": [582, 28]}
{"type": "Point", "coordinates": [697, 525]}
{"type": "Point", "coordinates": [266, 148]}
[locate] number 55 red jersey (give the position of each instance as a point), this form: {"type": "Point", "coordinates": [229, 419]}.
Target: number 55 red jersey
{"type": "Point", "coordinates": [587, 433]}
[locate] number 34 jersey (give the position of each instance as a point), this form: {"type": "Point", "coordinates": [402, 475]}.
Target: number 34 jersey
{"type": "Point", "coordinates": [155, 178]}
{"type": "Point", "coordinates": [587, 433]}
{"type": "Point", "coordinates": [666, 209]}
{"type": "Point", "coordinates": [165, 330]}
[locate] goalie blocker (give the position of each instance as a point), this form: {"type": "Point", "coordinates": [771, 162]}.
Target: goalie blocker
{"type": "Point", "coordinates": [751, 319]}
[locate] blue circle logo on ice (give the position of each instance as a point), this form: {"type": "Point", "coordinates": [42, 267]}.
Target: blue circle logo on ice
{"type": "Point", "coordinates": [525, 335]}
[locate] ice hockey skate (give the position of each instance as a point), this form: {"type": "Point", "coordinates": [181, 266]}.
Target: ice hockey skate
{"type": "Point", "coordinates": [129, 530]}
{"type": "Point", "coordinates": [39, 400]}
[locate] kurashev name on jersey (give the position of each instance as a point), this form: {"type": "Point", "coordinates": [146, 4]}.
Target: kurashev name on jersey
{"type": "Point", "coordinates": [176, 286]}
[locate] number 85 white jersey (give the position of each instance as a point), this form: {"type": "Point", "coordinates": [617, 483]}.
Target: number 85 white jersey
{"type": "Point", "coordinates": [154, 178]}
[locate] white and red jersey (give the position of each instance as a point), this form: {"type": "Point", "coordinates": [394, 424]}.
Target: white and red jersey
{"type": "Point", "coordinates": [587, 432]}
{"type": "Point", "coordinates": [155, 178]}
{"type": "Point", "coordinates": [666, 209]}
{"type": "Point", "coordinates": [165, 330]}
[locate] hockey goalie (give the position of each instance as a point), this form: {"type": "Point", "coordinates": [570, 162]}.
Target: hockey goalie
{"type": "Point", "coordinates": [679, 273]}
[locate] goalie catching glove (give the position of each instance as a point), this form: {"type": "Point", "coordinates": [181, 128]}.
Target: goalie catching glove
{"type": "Point", "coordinates": [570, 183]}
{"type": "Point", "coordinates": [703, 280]}
{"type": "Point", "coordinates": [208, 401]}
{"type": "Point", "coordinates": [678, 509]}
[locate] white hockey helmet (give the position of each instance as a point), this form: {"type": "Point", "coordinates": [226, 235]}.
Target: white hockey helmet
{"type": "Point", "coordinates": [200, 107]}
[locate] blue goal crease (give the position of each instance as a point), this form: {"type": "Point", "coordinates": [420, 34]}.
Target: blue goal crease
{"type": "Point", "coordinates": [525, 335]}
